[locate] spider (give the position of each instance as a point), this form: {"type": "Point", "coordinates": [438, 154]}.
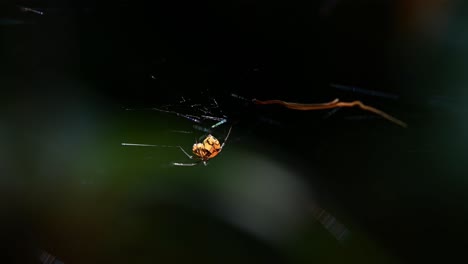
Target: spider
{"type": "Point", "coordinates": [209, 148]}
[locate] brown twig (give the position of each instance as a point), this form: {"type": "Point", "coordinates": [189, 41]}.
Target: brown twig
{"type": "Point", "coordinates": [330, 105]}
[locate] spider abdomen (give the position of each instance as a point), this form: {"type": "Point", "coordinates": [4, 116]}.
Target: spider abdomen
{"type": "Point", "coordinates": [209, 148]}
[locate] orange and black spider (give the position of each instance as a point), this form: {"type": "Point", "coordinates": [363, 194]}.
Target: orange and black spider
{"type": "Point", "coordinates": [209, 148]}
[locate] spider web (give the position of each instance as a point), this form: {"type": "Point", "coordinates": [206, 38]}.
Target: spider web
{"type": "Point", "coordinates": [206, 113]}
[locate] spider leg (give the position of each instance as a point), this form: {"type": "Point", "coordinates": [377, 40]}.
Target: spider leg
{"type": "Point", "coordinates": [162, 146]}
{"type": "Point", "coordinates": [213, 118]}
{"type": "Point", "coordinates": [219, 123]}
{"type": "Point", "coordinates": [219, 119]}
{"type": "Point", "coordinates": [189, 164]}
{"type": "Point", "coordinates": [226, 138]}
{"type": "Point", "coordinates": [185, 152]}
{"type": "Point", "coordinates": [184, 164]}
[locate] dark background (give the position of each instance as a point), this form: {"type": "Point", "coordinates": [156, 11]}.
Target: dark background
{"type": "Point", "coordinates": [67, 76]}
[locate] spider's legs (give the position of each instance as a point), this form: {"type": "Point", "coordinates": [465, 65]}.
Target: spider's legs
{"type": "Point", "coordinates": [219, 123]}
{"type": "Point", "coordinates": [185, 152]}
{"type": "Point", "coordinates": [226, 138]}
{"type": "Point", "coordinates": [162, 146]}
{"type": "Point", "coordinates": [178, 164]}
{"type": "Point", "coordinates": [219, 119]}
{"type": "Point", "coordinates": [188, 164]}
